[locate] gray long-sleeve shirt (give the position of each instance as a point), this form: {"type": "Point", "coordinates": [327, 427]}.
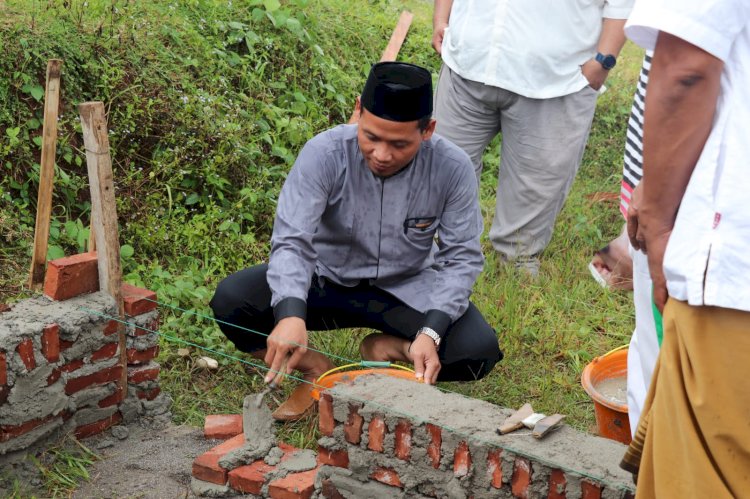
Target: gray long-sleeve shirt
{"type": "Point", "coordinates": [337, 219]}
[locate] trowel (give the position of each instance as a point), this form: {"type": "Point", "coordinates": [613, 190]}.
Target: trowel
{"type": "Point", "coordinates": [273, 384]}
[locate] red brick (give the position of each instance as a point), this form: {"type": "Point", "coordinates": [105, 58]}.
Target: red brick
{"type": "Point", "coordinates": [222, 426]}
{"type": "Point", "coordinates": [54, 376]}
{"type": "Point", "coordinates": [137, 300]}
{"type": "Point", "coordinates": [98, 378]}
{"type": "Point", "coordinates": [51, 342]}
{"type": "Point", "coordinates": [72, 366]}
{"type": "Point", "coordinates": [557, 483]}
{"type": "Point", "coordinates": [590, 490]}
{"type": "Point", "coordinates": [106, 352]}
{"type": "Point", "coordinates": [111, 327]}
{"type": "Point", "coordinates": [325, 414]}
{"type": "Point", "coordinates": [3, 369]}
{"type": "Point", "coordinates": [387, 476]}
{"type": "Point", "coordinates": [433, 448]}
{"type": "Point", "coordinates": [249, 479]}
{"type": "Point", "coordinates": [339, 458]}
{"type": "Point", "coordinates": [206, 466]}
{"type": "Point", "coordinates": [152, 394]}
{"type": "Point", "coordinates": [495, 467]}
{"type": "Point", "coordinates": [113, 399]}
{"type": "Point", "coordinates": [142, 373]}
{"type": "Point", "coordinates": [329, 491]}
{"type": "Point", "coordinates": [461, 460]}
{"type": "Point", "coordinates": [376, 434]}
{"type": "Point", "coordinates": [353, 426]}
{"type": "Point", "coordinates": [403, 440]}
{"type": "Point", "coordinates": [295, 486]}
{"type": "Point", "coordinates": [12, 431]}
{"type": "Point", "coordinates": [26, 350]}
{"type": "Point", "coordinates": [152, 327]}
{"type": "Point", "coordinates": [64, 345]}
{"type": "Point", "coordinates": [4, 307]}
{"type": "Point", "coordinates": [142, 356]}
{"type": "Point", "coordinates": [71, 276]}
{"type": "Point", "coordinates": [99, 426]}
{"type": "Point", "coordinates": [519, 482]}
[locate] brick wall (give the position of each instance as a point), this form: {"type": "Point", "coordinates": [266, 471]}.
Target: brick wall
{"type": "Point", "coordinates": [60, 363]}
{"type": "Point", "coordinates": [386, 437]}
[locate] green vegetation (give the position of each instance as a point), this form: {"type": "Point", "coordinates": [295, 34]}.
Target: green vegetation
{"type": "Point", "coordinates": [208, 103]}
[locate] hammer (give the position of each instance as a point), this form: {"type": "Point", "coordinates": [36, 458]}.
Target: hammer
{"type": "Point", "coordinates": [273, 384]}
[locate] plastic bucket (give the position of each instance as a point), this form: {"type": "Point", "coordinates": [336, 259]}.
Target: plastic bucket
{"type": "Point", "coordinates": [327, 381]}
{"type": "Point", "coordinates": [611, 416]}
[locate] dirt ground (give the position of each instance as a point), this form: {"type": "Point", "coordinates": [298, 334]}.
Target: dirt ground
{"type": "Point", "coordinates": [147, 464]}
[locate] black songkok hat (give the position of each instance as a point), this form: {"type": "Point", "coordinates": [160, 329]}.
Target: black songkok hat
{"type": "Point", "coordinates": [398, 91]}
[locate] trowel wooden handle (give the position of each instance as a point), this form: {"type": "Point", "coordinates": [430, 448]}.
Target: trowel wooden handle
{"type": "Point", "coordinates": [279, 375]}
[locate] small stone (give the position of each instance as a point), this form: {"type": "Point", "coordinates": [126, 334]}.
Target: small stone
{"type": "Point", "coordinates": [183, 352]}
{"type": "Point", "coordinates": [207, 363]}
{"type": "Point", "coordinates": [120, 432]}
{"type": "Point", "coordinates": [105, 443]}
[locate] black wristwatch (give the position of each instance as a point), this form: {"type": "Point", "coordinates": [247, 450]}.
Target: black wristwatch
{"type": "Point", "coordinates": [607, 61]}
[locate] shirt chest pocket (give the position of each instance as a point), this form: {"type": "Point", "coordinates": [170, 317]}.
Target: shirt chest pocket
{"type": "Point", "coordinates": [420, 231]}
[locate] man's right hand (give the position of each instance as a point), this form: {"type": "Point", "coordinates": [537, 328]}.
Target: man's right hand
{"type": "Point", "coordinates": [437, 37]}
{"type": "Point", "coordinates": [288, 339]}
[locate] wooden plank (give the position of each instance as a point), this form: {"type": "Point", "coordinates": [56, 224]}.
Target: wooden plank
{"type": "Point", "coordinates": [46, 174]}
{"type": "Point", "coordinates": [104, 211]}
{"type": "Point", "coordinates": [390, 53]}
{"type": "Point", "coordinates": [397, 37]}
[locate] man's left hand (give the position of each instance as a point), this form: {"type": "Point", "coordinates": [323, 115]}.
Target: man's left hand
{"type": "Point", "coordinates": [424, 354]}
{"type": "Point", "coordinates": [594, 73]}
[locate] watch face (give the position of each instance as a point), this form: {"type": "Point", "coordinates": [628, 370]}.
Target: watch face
{"type": "Point", "coordinates": [609, 62]}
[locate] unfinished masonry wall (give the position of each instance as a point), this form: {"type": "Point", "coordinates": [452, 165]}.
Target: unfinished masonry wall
{"type": "Point", "coordinates": [386, 437]}
{"type": "Point", "coordinates": [60, 364]}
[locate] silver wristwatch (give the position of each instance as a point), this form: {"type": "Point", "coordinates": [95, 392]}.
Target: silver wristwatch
{"type": "Point", "coordinates": [431, 333]}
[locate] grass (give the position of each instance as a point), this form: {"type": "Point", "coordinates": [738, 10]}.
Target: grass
{"type": "Point", "coordinates": [208, 103]}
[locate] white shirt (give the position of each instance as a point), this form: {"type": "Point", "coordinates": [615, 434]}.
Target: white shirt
{"type": "Point", "coordinates": [711, 235]}
{"type": "Point", "coordinates": [534, 48]}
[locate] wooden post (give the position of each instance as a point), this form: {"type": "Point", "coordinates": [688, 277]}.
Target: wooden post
{"type": "Point", "coordinates": [46, 174]}
{"type": "Point", "coordinates": [397, 37]}
{"type": "Point", "coordinates": [390, 53]}
{"type": "Point", "coordinates": [103, 211]}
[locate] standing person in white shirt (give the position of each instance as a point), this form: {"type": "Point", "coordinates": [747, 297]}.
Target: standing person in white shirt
{"type": "Point", "coordinates": [693, 439]}
{"type": "Point", "coordinates": [530, 69]}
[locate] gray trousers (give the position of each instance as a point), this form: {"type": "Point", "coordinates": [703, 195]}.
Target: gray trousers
{"type": "Point", "coordinates": [542, 146]}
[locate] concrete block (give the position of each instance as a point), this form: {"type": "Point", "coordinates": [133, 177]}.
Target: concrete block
{"type": "Point", "coordinates": [71, 276]}
{"type": "Point", "coordinates": [137, 300]}
{"type": "Point", "coordinates": [51, 342]}
{"type": "Point", "coordinates": [222, 426]}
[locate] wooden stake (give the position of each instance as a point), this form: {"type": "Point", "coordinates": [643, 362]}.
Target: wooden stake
{"type": "Point", "coordinates": [391, 51]}
{"type": "Point", "coordinates": [103, 211]}
{"type": "Point", "coordinates": [397, 37]}
{"type": "Point", "coordinates": [46, 174]}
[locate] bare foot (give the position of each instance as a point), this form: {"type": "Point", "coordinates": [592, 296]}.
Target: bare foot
{"type": "Point", "coordinates": [614, 264]}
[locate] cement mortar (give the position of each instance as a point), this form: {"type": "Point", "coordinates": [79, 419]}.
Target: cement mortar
{"type": "Point", "coordinates": [208, 489]}
{"type": "Point", "coordinates": [91, 415]}
{"type": "Point", "coordinates": [331, 443]}
{"type": "Point", "coordinates": [299, 461]}
{"type": "Point", "coordinates": [30, 398]}
{"type": "Point", "coordinates": [259, 430]}
{"type": "Point", "coordinates": [90, 396]}
{"type": "Point", "coordinates": [87, 343]}
{"type": "Point", "coordinates": [26, 440]}
{"type": "Point", "coordinates": [475, 421]}
{"type": "Point", "coordinates": [87, 369]}
{"type": "Point", "coordinates": [274, 456]}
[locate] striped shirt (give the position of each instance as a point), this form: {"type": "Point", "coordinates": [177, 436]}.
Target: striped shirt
{"type": "Point", "coordinates": [633, 162]}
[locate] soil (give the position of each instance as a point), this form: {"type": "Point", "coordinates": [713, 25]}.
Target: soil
{"type": "Point", "coordinates": [148, 463]}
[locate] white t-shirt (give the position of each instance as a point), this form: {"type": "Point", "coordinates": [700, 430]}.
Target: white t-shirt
{"type": "Point", "coordinates": [534, 48]}
{"type": "Point", "coordinates": [711, 235]}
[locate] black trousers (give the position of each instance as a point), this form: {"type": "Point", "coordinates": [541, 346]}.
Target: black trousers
{"type": "Point", "coordinates": [469, 350]}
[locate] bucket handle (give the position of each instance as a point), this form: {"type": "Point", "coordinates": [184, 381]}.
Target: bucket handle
{"type": "Point", "coordinates": [372, 364]}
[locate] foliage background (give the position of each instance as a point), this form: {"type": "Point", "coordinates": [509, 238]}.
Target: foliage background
{"type": "Point", "coordinates": [208, 103]}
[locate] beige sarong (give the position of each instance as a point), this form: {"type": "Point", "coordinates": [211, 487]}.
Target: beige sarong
{"type": "Point", "coordinates": [693, 439]}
